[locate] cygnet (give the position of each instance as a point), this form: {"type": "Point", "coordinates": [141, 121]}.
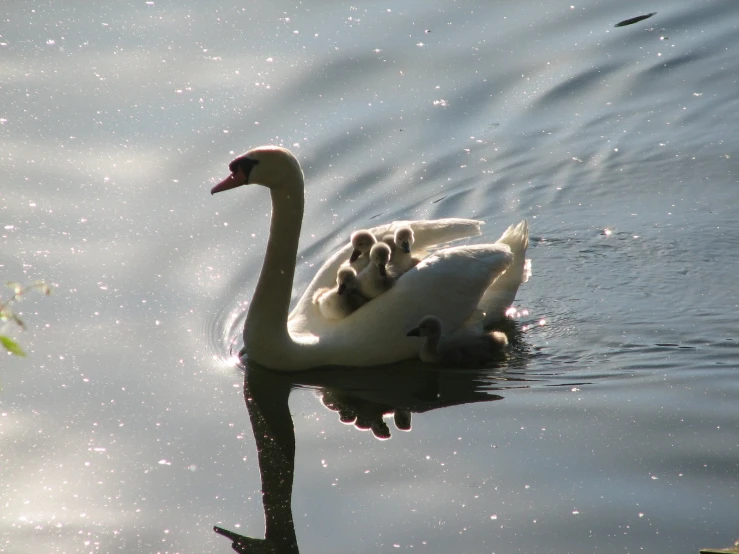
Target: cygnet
{"type": "Point", "coordinates": [402, 259]}
{"type": "Point", "coordinates": [465, 347]}
{"type": "Point", "coordinates": [362, 242]}
{"type": "Point", "coordinates": [374, 279]}
{"type": "Point", "coordinates": [343, 299]}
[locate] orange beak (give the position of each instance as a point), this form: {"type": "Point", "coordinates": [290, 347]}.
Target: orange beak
{"type": "Point", "coordinates": [234, 180]}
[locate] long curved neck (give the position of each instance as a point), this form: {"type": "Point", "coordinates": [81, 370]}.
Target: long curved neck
{"type": "Point", "coordinates": [265, 330]}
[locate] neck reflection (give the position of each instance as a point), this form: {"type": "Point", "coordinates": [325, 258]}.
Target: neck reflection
{"type": "Point", "coordinates": [363, 397]}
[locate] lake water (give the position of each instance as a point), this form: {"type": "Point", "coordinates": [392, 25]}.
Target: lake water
{"type": "Point", "coordinates": [612, 426]}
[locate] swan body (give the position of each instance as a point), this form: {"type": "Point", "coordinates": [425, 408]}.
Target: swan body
{"type": "Point", "coordinates": [362, 241]}
{"type": "Point", "coordinates": [454, 283]}
{"type": "Point", "coordinates": [374, 279]}
{"type": "Point", "coordinates": [465, 347]}
{"type": "Point", "coordinates": [343, 299]}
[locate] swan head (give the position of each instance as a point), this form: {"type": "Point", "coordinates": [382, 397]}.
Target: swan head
{"type": "Point", "coordinates": [380, 255]}
{"type": "Point", "coordinates": [362, 242]}
{"type": "Point", "coordinates": [404, 239]}
{"type": "Point", "coordinates": [429, 326]}
{"type": "Point", "coordinates": [345, 278]}
{"type": "Point", "coordinates": [271, 166]}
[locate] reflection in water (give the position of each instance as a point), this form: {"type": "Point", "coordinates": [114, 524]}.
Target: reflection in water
{"type": "Point", "coordinates": [360, 396]}
{"type": "Point", "coordinates": [266, 396]}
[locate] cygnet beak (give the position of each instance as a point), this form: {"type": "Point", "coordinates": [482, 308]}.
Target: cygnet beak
{"type": "Point", "coordinates": [354, 256]}
{"type": "Point", "coordinates": [234, 180]}
{"type": "Point", "coordinates": [414, 332]}
{"type": "Point", "coordinates": [406, 247]}
{"type": "Point", "coordinates": [381, 267]}
{"type": "Point", "coordinates": [341, 289]}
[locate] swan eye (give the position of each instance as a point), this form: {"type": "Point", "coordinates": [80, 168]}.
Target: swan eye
{"type": "Point", "coordinates": [245, 164]}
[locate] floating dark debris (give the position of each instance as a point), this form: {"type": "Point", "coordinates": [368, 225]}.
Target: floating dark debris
{"type": "Point", "coordinates": [633, 20]}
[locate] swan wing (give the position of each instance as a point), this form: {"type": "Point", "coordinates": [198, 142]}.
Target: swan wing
{"type": "Point", "coordinates": [428, 234]}
{"type": "Point", "coordinates": [448, 284]}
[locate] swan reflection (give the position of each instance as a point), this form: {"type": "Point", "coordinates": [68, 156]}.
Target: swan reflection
{"type": "Point", "coordinates": [360, 397]}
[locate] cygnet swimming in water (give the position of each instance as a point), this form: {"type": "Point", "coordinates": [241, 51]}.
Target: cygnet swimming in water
{"type": "Point", "coordinates": [362, 242]}
{"type": "Point", "coordinates": [466, 347]}
{"type": "Point", "coordinates": [374, 279]}
{"type": "Point", "coordinates": [343, 299]}
{"type": "Point", "coordinates": [401, 260]}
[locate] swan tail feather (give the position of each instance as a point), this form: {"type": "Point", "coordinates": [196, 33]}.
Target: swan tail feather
{"type": "Point", "coordinates": [500, 295]}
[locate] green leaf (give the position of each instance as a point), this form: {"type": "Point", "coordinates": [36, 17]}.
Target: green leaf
{"type": "Point", "coordinates": [11, 346]}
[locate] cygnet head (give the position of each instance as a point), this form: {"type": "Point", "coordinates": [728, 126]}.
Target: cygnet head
{"type": "Point", "coordinates": [362, 242]}
{"type": "Point", "coordinates": [429, 326]}
{"type": "Point", "coordinates": [344, 278]}
{"type": "Point", "coordinates": [380, 256]}
{"type": "Point", "coordinates": [271, 166]}
{"type": "Point", "coordinates": [390, 241]}
{"type": "Point", "coordinates": [404, 239]}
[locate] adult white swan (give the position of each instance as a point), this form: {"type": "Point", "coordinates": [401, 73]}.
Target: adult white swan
{"type": "Point", "coordinates": [454, 284]}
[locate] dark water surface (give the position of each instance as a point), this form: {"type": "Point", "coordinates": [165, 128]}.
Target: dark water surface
{"type": "Point", "coordinates": [611, 428]}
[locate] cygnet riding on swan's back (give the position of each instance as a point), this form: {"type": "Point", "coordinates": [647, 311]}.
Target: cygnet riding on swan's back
{"type": "Point", "coordinates": [402, 259]}
{"type": "Point", "coordinates": [466, 347]}
{"type": "Point", "coordinates": [343, 299]}
{"type": "Point", "coordinates": [454, 283]}
{"type": "Point", "coordinates": [374, 279]}
{"type": "Point", "coordinates": [362, 241]}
